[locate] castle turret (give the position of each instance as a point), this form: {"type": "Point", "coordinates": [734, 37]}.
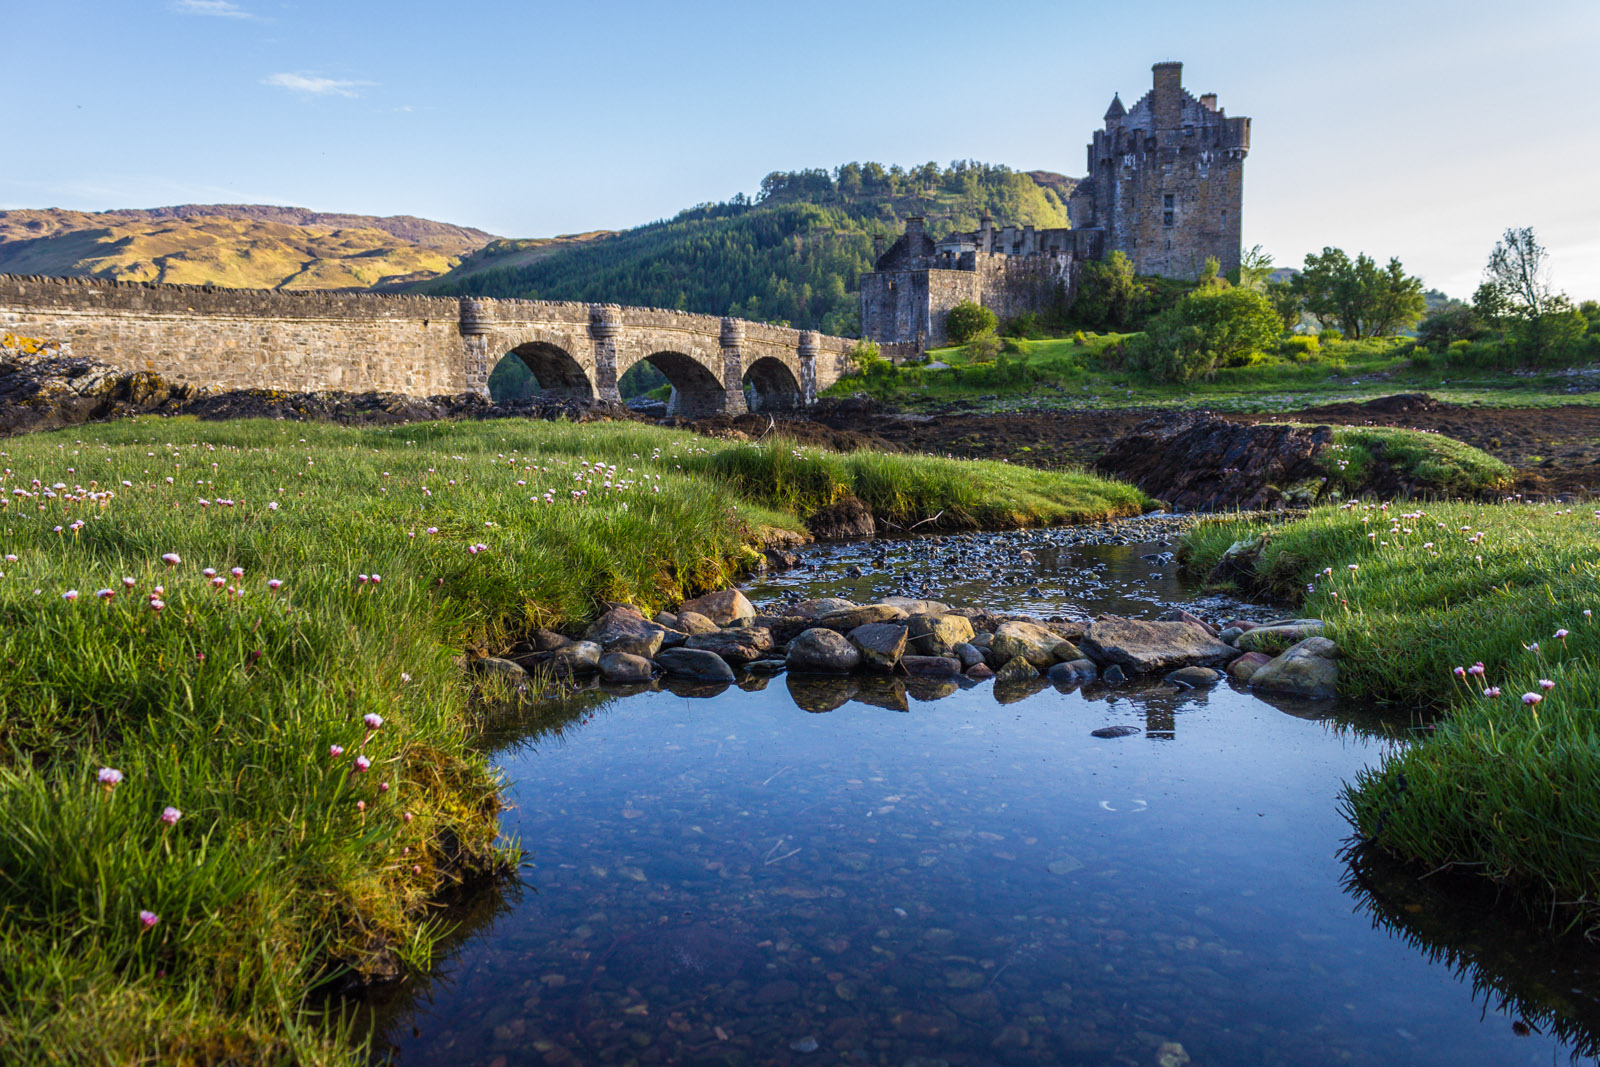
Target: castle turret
{"type": "Point", "coordinates": [915, 237]}
{"type": "Point", "coordinates": [986, 235]}
{"type": "Point", "coordinates": [1116, 111]}
{"type": "Point", "coordinates": [877, 247]}
{"type": "Point", "coordinates": [1028, 245]}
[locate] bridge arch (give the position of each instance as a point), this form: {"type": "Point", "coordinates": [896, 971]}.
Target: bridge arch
{"type": "Point", "coordinates": [771, 386]}
{"type": "Point", "coordinates": [554, 372]}
{"type": "Point", "coordinates": [695, 390]}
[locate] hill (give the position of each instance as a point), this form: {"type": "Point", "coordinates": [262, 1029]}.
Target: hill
{"type": "Point", "coordinates": [238, 245]}
{"type": "Point", "coordinates": [793, 254]}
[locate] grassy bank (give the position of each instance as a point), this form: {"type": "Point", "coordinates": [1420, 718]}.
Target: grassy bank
{"type": "Point", "coordinates": [1434, 463]}
{"type": "Point", "coordinates": [1505, 786]}
{"type": "Point", "coordinates": [1077, 374]}
{"type": "Point", "coordinates": [350, 567]}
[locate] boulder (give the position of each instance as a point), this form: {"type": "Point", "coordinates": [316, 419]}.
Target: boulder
{"type": "Point", "coordinates": [623, 668]}
{"type": "Point", "coordinates": [495, 667]}
{"type": "Point", "coordinates": [881, 644]}
{"type": "Point", "coordinates": [1246, 665]}
{"type": "Point", "coordinates": [692, 622]}
{"type": "Point", "coordinates": [916, 607]}
{"type": "Point", "coordinates": [1193, 677]}
{"type": "Point", "coordinates": [931, 666]}
{"type": "Point", "coordinates": [742, 645]}
{"type": "Point", "coordinates": [1179, 615]}
{"type": "Point", "coordinates": [783, 628]}
{"type": "Point", "coordinates": [1017, 669]}
{"type": "Point", "coordinates": [667, 619]}
{"type": "Point", "coordinates": [767, 666]}
{"type": "Point", "coordinates": [1230, 636]}
{"type": "Point", "coordinates": [1037, 644]}
{"type": "Point", "coordinates": [979, 672]}
{"type": "Point", "coordinates": [580, 657]}
{"type": "Point", "coordinates": [781, 559]}
{"type": "Point", "coordinates": [695, 664]}
{"type": "Point", "coordinates": [848, 619]}
{"type": "Point", "coordinates": [1309, 669]}
{"type": "Point", "coordinates": [1278, 636]}
{"type": "Point", "coordinates": [810, 609]}
{"type": "Point", "coordinates": [1113, 675]}
{"type": "Point", "coordinates": [822, 649]}
{"type": "Point", "coordinates": [937, 635]}
{"type": "Point", "coordinates": [543, 640]}
{"type": "Point", "coordinates": [721, 607]}
{"type": "Point", "coordinates": [1144, 647]}
{"type": "Point", "coordinates": [969, 655]}
{"type": "Point", "coordinates": [1074, 672]}
{"type": "Point", "coordinates": [626, 630]}
{"type": "Point", "coordinates": [846, 519]}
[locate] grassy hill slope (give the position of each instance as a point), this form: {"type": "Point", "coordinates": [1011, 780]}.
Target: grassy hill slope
{"type": "Point", "coordinates": [238, 245]}
{"type": "Point", "coordinates": [794, 254]}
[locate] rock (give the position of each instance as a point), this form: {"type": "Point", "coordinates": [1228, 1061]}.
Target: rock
{"type": "Point", "coordinates": [811, 609]}
{"type": "Point", "coordinates": [969, 655]}
{"type": "Point", "coordinates": [696, 664]}
{"type": "Point", "coordinates": [1144, 647]}
{"type": "Point", "coordinates": [666, 619]}
{"type": "Point", "coordinates": [736, 646]}
{"type": "Point", "coordinates": [781, 559]}
{"type": "Point", "coordinates": [979, 672]}
{"type": "Point", "coordinates": [1196, 461]}
{"type": "Point", "coordinates": [881, 644]}
{"type": "Point", "coordinates": [1114, 731]}
{"type": "Point", "coordinates": [931, 666]}
{"type": "Point", "coordinates": [721, 607]}
{"type": "Point", "coordinates": [937, 635]}
{"type": "Point", "coordinates": [1246, 665]}
{"type": "Point", "coordinates": [1074, 672]}
{"type": "Point", "coordinates": [495, 667]}
{"type": "Point", "coordinates": [783, 628]}
{"type": "Point", "coordinates": [1278, 636]}
{"type": "Point", "coordinates": [916, 607]}
{"type": "Point", "coordinates": [982, 640]}
{"type": "Point", "coordinates": [1039, 645]}
{"type": "Point", "coordinates": [823, 649]}
{"type": "Point", "coordinates": [1309, 669]}
{"type": "Point", "coordinates": [1230, 636]}
{"type": "Point", "coordinates": [846, 519]}
{"type": "Point", "coordinates": [692, 622]}
{"type": "Point", "coordinates": [580, 657]}
{"type": "Point", "coordinates": [1194, 677]}
{"type": "Point", "coordinates": [1179, 615]}
{"type": "Point", "coordinates": [1017, 669]}
{"type": "Point", "coordinates": [626, 630]}
{"type": "Point", "coordinates": [848, 619]}
{"type": "Point", "coordinates": [767, 666]}
{"type": "Point", "coordinates": [622, 667]}
{"type": "Point", "coordinates": [543, 640]}
{"type": "Point", "coordinates": [1113, 675]}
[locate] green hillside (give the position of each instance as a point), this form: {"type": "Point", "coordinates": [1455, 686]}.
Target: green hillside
{"type": "Point", "coordinates": [793, 254]}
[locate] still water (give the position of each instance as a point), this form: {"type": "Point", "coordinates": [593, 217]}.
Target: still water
{"type": "Point", "coordinates": [811, 871]}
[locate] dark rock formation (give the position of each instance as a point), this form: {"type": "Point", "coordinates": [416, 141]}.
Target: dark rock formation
{"type": "Point", "coordinates": [847, 519]}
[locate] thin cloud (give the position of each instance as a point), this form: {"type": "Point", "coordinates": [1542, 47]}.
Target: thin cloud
{"type": "Point", "coordinates": [315, 85]}
{"type": "Point", "coordinates": [216, 8]}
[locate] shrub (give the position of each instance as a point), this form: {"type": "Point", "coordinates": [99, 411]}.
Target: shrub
{"type": "Point", "coordinates": [982, 347]}
{"type": "Point", "coordinates": [1329, 336]}
{"type": "Point", "coordinates": [1450, 326]}
{"type": "Point", "coordinates": [1209, 328]}
{"type": "Point", "coordinates": [967, 320]}
{"type": "Point", "coordinates": [1078, 337]}
{"type": "Point", "coordinates": [1301, 348]}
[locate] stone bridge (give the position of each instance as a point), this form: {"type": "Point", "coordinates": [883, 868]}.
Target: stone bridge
{"type": "Point", "coordinates": [420, 345]}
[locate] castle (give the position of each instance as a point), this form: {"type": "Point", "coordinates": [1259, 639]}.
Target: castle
{"type": "Point", "coordinates": [1165, 186]}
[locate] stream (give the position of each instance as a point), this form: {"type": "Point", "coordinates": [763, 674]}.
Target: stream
{"type": "Point", "coordinates": [805, 870]}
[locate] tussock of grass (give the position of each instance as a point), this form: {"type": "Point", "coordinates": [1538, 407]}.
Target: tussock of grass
{"type": "Point", "coordinates": [1499, 788]}
{"type": "Point", "coordinates": [224, 703]}
{"type": "Point", "coordinates": [1432, 462]}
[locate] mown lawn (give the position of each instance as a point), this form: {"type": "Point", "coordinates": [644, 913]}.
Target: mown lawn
{"type": "Point", "coordinates": [1507, 782]}
{"type": "Point", "coordinates": [237, 740]}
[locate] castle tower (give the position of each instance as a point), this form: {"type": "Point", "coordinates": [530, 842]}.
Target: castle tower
{"type": "Point", "coordinates": [1166, 180]}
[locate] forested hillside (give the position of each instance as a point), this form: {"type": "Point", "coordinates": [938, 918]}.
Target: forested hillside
{"type": "Point", "coordinates": [793, 254]}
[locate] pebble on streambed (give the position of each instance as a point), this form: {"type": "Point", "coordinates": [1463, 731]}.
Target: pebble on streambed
{"type": "Point", "coordinates": [722, 639]}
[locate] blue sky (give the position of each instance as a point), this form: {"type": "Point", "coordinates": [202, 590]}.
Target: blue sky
{"type": "Point", "coordinates": [1413, 129]}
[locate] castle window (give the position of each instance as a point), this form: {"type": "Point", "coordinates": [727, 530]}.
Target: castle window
{"type": "Point", "coordinates": [1168, 214]}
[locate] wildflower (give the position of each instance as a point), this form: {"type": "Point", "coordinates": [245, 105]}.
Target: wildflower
{"type": "Point", "coordinates": [272, 506]}
{"type": "Point", "coordinates": [1460, 672]}
{"type": "Point", "coordinates": [149, 918]}
{"type": "Point", "coordinates": [1327, 572]}
{"type": "Point", "coordinates": [127, 583]}
{"type": "Point", "coordinates": [1476, 669]}
{"type": "Point", "coordinates": [237, 572]}
{"type": "Point", "coordinates": [1546, 684]}
{"type": "Point", "coordinates": [219, 581]}
{"type": "Point", "coordinates": [106, 594]}
{"type": "Point", "coordinates": [433, 529]}
{"type": "Point", "coordinates": [383, 787]}
{"type": "Point", "coordinates": [361, 579]}
{"type": "Point", "coordinates": [373, 720]}
{"type": "Point", "coordinates": [170, 815]}
{"type": "Point", "coordinates": [274, 584]}
{"type": "Point", "coordinates": [1561, 635]}
{"type": "Point", "coordinates": [405, 677]}
{"type": "Point", "coordinates": [1492, 692]}
{"type": "Point", "coordinates": [416, 868]}
{"type": "Point", "coordinates": [209, 572]}
{"type": "Point", "coordinates": [1533, 647]}
{"type": "Point", "coordinates": [408, 816]}
{"type": "Point", "coordinates": [335, 751]}
{"type": "Point", "coordinates": [70, 594]}
{"type": "Point", "coordinates": [1355, 566]}
{"type": "Point", "coordinates": [171, 559]}
{"type": "Point", "coordinates": [362, 763]}
{"type": "Point", "coordinates": [361, 805]}
{"type": "Point", "coordinates": [157, 605]}
{"type": "Point", "coordinates": [1531, 699]}
{"type": "Point", "coordinates": [109, 777]}
{"type": "Point", "coordinates": [376, 578]}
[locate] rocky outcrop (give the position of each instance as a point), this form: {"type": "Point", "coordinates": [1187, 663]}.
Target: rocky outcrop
{"type": "Point", "coordinates": [1310, 669]}
{"type": "Point", "coordinates": [1195, 461]}
{"type": "Point", "coordinates": [846, 519]}
{"type": "Point", "coordinates": [1143, 647]}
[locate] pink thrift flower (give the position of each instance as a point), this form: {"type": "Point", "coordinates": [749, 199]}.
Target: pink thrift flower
{"type": "Point", "coordinates": [372, 719]}
{"type": "Point", "coordinates": [209, 572]}
{"type": "Point", "coordinates": [157, 604]}
{"type": "Point", "coordinates": [1476, 669]}
{"type": "Point", "coordinates": [362, 763]}
{"type": "Point", "coordinates": [106, 594]}
{"type": "Point", "coordinates": [1492, 692]}
{"type": "Point", "coordinates": [335, 751]}
{"type": "Point", "coordinates": [171, 559]}
{"type": "Point", "coordinates": [109, 777]}
{"type": "Point", "coordinates": [70, 594]}
{"type": "Point", "coordinates": [274, 584]}
{"type": "Point", "coordinates": [383, 787]}
{"type": "Point", "coordinates": [408, 816]}
{"type": "Point", "coordinates": [1355, 567]}
{"type": "Point", "coordinates": [361, 805]}
{"type": "Point", "coordinates": [1460, 672]}
{"type": "Point", "coordinates": [1531, 699]}
{"type": "Point", "coordinates": [1561, 635]}
{"type": "Point", "coordinates": [1546, 684]}
{"type": "Point", "coordinates": [127, 583]}
{"type": "Point", "coordinates": [170, 815]}
{"type": "Point", "coordinates": [219, 581]}
{"type": "Point", "coordinates": [149, 918]}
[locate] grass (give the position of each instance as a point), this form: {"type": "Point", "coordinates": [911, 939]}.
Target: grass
{"type": "Point", "coordinates": [1500, 788]}
{"type": "Point", "coordinates": [290, 865]}
{"type": "Point", "coordinates": [1063, 373]}
{"type": "Point", "coordinates": [1432, 462]}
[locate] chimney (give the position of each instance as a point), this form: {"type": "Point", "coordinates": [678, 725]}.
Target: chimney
{"type": "Point", "coordinates": [1168, 100]}
{"type": "Point", "coordinates": [1008, 240]}
{"type": "Point", "coordinates": [986, 235]}
{"type": "Point", "coordinates": [1209, 101]}
{"type": "Point", "coordinates": [914, 239]}
{"type": "Point", "coordinates": [1028, 246]}
{"type": "Point", "coordinates": [877, 248]}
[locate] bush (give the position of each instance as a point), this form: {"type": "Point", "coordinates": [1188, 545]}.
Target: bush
{"type": "Point", "coordinates": [1078, 337]}
{"type": "Point", "coordinates": [1329, 336]}
{"type": "Point", "coordinates": [1450, 326]}
{"type": "Point", "coordinates": [982, 347]}
{"type": "Point", "coordinates": [1025, 326]}
{"type": "Point", "coordinates": [967, 320]}
{"type": "Point", "coordinates": [1301, 348]}
{"type": "Point", "coordinates": [1209, 328]}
